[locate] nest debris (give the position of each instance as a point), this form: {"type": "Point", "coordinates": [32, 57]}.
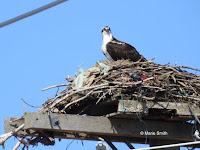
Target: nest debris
{"type": "Point", "coordinates": [132, 80]}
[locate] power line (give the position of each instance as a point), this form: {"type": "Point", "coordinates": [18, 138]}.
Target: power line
{"type": "Point", "coordinates": [171, 145]}
{"type": "Point", "coordinates": [30, 13]}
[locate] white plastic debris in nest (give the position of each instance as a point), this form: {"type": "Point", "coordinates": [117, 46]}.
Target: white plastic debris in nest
{"type": "Point", "coordinates": [104, 68]}
{"type": "Point", "coordinates": [85, 79]}
{"type": "Point", "coordinates": [79, 81]}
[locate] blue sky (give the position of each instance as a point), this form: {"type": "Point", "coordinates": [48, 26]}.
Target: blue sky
{"type": "Point", "coordinates": [43, 49]}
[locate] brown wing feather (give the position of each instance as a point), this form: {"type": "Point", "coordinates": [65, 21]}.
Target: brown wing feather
{"type": "Point", "coordinates": [119, 50]}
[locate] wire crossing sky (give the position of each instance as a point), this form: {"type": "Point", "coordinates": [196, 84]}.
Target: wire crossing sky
{"type": "Point", "coordinates": [42, 50]}
{"type": "Point", "coordinates": [30, 13]}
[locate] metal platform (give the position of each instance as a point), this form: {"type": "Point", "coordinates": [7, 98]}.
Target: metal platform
{"type": "Point", "coordinates": [110, 129]}
{"type": "Point", "coordinates": [127, 121]}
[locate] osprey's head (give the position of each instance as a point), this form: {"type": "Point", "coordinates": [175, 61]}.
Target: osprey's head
{"type": "Point", "coordinates": [106, 33]}
{"type": "Point", "coordinates": [106, 29]}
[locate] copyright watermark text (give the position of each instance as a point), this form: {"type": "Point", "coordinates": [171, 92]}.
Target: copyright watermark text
{"type": "Point", "coordinates": [154, 133]}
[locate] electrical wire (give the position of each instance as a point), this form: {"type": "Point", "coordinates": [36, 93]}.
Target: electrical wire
{"type": "Point", "coordinates": [170, 145]}
{"type": "Point", "coordinates": [30, 13]}
{"type": "Point", "coordinates": [30, 104]}
{"type": "Point", "coordinates": [138, 113]}
{"type": "Point", "coordinates": [122, 99]}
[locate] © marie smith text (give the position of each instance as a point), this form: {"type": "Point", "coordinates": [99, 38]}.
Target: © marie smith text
{"type": "Point", "coordinates": [156, 133]}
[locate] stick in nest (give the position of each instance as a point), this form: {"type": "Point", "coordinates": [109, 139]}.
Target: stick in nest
{"type": "Point", "coordinates": [9, 134]}
{"type": "Point", "coordinates": [76, 101]}
{"type": "Point", "coordinates": [55, 86]}
{"type": "Point", "coordinates": [102, 97]}
{"type": "Point", "coordinates": [84, 89]}
{"type": "Point", "coordinates": [18, 144]}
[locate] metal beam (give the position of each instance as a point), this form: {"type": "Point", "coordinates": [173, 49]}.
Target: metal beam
{"type": "Point", "coordinates": [127, 143]}
{"type": "Point", "coordinates": [182, 109]}
{"type": "Point", "coordinates": [112, 127]}
{"type": "Point", "coordinates": [109, 142]}
{"type": "Point", "coordinates": [30, 13]}
{"type": "Point", "coordinates": [170, 111]}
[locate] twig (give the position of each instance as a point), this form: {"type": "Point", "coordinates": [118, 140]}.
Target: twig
{"type": "Point", "coordinates": [189, 97]}
{"type": "Point", "coordinates": [84, 89]}
{"type": "Point", "coordinates": [84, 97]}
{"type": "Point", "coordinates": [30, 104]}
{"type": "Point", "coordinates": [174, 79]}
{"type": "Point", "coordinates": [103, 95]}
{"type": "Point", "coordinates": [54, 86]}
{"type": "Point", "coordinates": [188, 76]}
{"type": "Point", "coordinates": [132, 83]}
{"type": "Point", "coordinates": [18, 144]}
{"type": "Point", "coordinates": [97, 87]}
{"type": "Point", "coordinates": [49, 102]}
{"type": "Point", "coordinates": [195, 116]}
{"type": "Point", "coordinates": [189, 68]}
{"type": "Point", "coordinates": [152, 59]}
{"type": "Point", "coordinates": [17, 119]}
{"type": "Point", "coordinates": [84, 109]}
{"type": "Point", "coordinates": [9, 134]}
{"type": "Point", "coordinates": [154, 87]}
{"type": "Point", "coordinates": [145, 97]}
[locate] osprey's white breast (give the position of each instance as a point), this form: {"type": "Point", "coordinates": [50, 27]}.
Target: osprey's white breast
{"type": "Point", "coordinates": [106, 39]}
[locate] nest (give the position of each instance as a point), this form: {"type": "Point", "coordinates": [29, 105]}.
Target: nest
{"type": "Point", "coordinates": [146, 81]}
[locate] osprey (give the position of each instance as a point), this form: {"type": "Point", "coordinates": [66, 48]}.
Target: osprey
{"type": "Point", "coordinates": [115, 50]}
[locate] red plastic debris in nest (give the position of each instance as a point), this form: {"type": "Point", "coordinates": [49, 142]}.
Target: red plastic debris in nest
{"type": "Point", "coordinates": [143, 77]}
{"type": "Point", "coordinates": [137, 77]}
